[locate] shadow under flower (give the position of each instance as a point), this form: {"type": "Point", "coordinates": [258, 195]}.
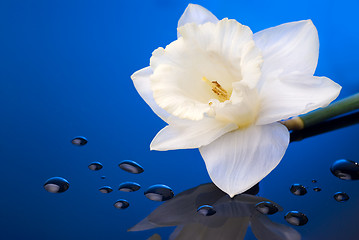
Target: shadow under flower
{"type": "Point", "coordinates": [232, 218]}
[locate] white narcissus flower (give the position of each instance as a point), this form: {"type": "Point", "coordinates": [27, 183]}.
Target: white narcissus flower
{"type": "Point", "coordinates": [223, 89]}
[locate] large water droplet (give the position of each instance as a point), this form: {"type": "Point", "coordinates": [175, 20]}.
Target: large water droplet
{"type": "Point", "coordinates": [345, 169]}
{"type": "Point", "coordinates": [121, 204]}
{"type": "Point", "coordinates": [206, 210]}
{"type": "Point", "coordinates": [56, 185]}
{"type": "Point", "coordinates": [341, 196]}
{"type": "Point", "coordinates": [317, 189]}
{"type": "Point", "coordinates": [129, 187]}
{"type": "Point", "coordinates": [298, 189]}
{"type": "Point", "coordinates": [79, 141]}
{"type": "Point", "coordinates": [105, 189]}
{"type": "Point", "coordinates": [267, 208]}
{"type": "Point", "coordinates": [131, 166]}
{"type": "Point", "coordinates": [95, 166]}
{"type": "Point", "coordinates": [296, 218]}
{"type": "Point", "coordinates": [159, 192]}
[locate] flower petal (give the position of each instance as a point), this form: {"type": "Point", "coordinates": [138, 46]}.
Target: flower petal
{"type": "Point", "coordinates": [183, 134]}
{"type": "Point", "coordinates": [264, 228]}
{"type": "Point", "coordinates": [224, 53]}
{"type": "Point", "coordinates": [290, 47]}
{"type": "Point", "coordinates": [240, 159]}
{"type": "Point", "coordinates": [141, 80]}
{"type": "Point", "coordinates": [293, 95]}
{"type": "Point", "coordinates": [196, 14]}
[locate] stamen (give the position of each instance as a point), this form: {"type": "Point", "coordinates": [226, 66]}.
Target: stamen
{"type": "Point", "coordinates": [217, 89]}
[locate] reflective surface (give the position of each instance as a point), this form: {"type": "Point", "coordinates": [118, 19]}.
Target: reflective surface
{"type": "Point", "coordinates": [66, 68]}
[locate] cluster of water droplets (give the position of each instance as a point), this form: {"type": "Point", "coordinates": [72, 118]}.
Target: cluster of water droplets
{"type": "Point", "coordinates": [157, 192]}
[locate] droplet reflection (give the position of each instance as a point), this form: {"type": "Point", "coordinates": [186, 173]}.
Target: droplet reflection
{"type": "Point", "coordinates": [56, 185]}
{"type": "Point", "coordinates": [266, 208]}
{"type": "Point", "coordinates": [298, 189]}
{"type": "Point", "coordinates": [206, 210]}
{"type": "Point", "coordinates": [296, 218]}
{"type": "Point", "coordinates": [159, 192]}
{"type": "Point", "coordinates": [345, 169]}
{"type": "Point", "coordinates": [131, 166]}
{"type": "Point", "coordinates": [121, 204]}
{"type": "Point", "coordinates": [95, 166]}
{"type": "Point", "coordinates": [341, 197]}
{"type": "Point", "coordinates": [79, 141]}
{"type": "Point", "coordinates": [129, 187]}
{"type": "Point", "coordinates": [105, 189]}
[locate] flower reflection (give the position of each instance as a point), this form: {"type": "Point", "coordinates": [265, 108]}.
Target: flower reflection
{"type": "Point", "coordinates": [232, 218]}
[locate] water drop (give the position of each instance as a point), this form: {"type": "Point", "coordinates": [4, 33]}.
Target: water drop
{"type": "Point", "coordinates": [298, 189]}
{"type": "Point", "coordinates": [267, 208]}
{"type": "Point", "coordinates": [56, 185]}
{"type": "Point", "coordinates": [345, 169]}
{"type": "Point", "coordinates": [79, 141]}
{"type": "Point", "coordinates": [121, 204]}
{"type": "Point", "coordinates": [103, 177]}
{"type": "Point", "coordinates": [314, 181]}
{"type": "Point", "coordinates": [95, 166]}
{"type": "Point", "coordinates": [317, 189]}
{"type": "Point", "coordinates": [341, 197]}
{"type": "Point", "coordinates": [206, 210]}
{"type": "Point", "coordinates": [129, 187]}
{"type": "Point", "coordinates": [105, 189]}
{"type": "Point", "coordinates": [296, 218]}
{"type": "Point", "coordinates": [159, 192]}
{"type": "Point", "coordinates": [131, 167]}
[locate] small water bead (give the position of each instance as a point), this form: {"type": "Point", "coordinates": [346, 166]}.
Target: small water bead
{"type": "Point", "coordinates": [345, 169]}
{"type": "Point", "coordinates": [267, 208]}
{"type": "Point", "coordinates": [79, 141]}
{"type": "Point", "coordinates": [159, 192]}
{"type": "Point", "coordinates": [314, 181]}
{"type": "Point", "coordinates": [298, 189]}
{"type": "Point", "coordinates": [129, 187]}
{"type": "Point", "coordinates": [131, 166]}
{"type": "Point", "coordinates": [105, 189]}
{"type": "Point", "coordinates": [121, 204]}
{"type": "Point", "coordinates": [56, 185]}
{"type": "Point", "coordinates": [317, 189]}
{"type": "Point", "coordinates": [103, 177]}
{"type": "Point", "coordinates": [95, 166]}
{"type": "Point", "coordinates": [296, 218]}
{"type": "Point", "coordinates": [341, 197]}
{"type": "Point", "coordinates": [206, 210]}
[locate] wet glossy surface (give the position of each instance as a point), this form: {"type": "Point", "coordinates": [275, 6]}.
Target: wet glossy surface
{"type": "Point", "coordinates": [66, 68]}
{"type": "Point", "coordinates": [159, 192]}
{"type": "Point", "coordinates": [345, 169]}
{"type": "Point", "coordinates": [56, 185]}
{"type": "Point", "coordinates": [296, 218]}
{"type": "Point", "coordinates": [129, 187]}
{"type": "Point", "coordinates": [341, 197]}
{"type": "Point", "coordinates": [131, 166]}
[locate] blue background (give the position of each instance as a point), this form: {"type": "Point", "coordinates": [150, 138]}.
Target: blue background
{"type": "Point", "coordinates": [65, 70]}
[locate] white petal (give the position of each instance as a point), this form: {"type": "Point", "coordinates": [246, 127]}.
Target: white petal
{"type": "Point", "coordinates": [196, 14]}
{"type": "Point", "coordinates": [224, 52]}
{"type": "Point", "coordinates": [240, 159]}
{"type": "Point", "coordinates": [183, 134]}
{"type": "Point", "coordinates": [141, 80]}
{"type": "Point", "coordinates": [294, 95]}
{"type": "Point", "coordinates": [290, 47]}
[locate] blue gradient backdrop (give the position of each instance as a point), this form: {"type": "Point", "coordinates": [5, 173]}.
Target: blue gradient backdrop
{"type": "Point", "coordinates": [65, 70]}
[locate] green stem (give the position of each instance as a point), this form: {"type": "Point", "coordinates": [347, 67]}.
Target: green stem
{"type": "Point", "coordinates": [338, 108]}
